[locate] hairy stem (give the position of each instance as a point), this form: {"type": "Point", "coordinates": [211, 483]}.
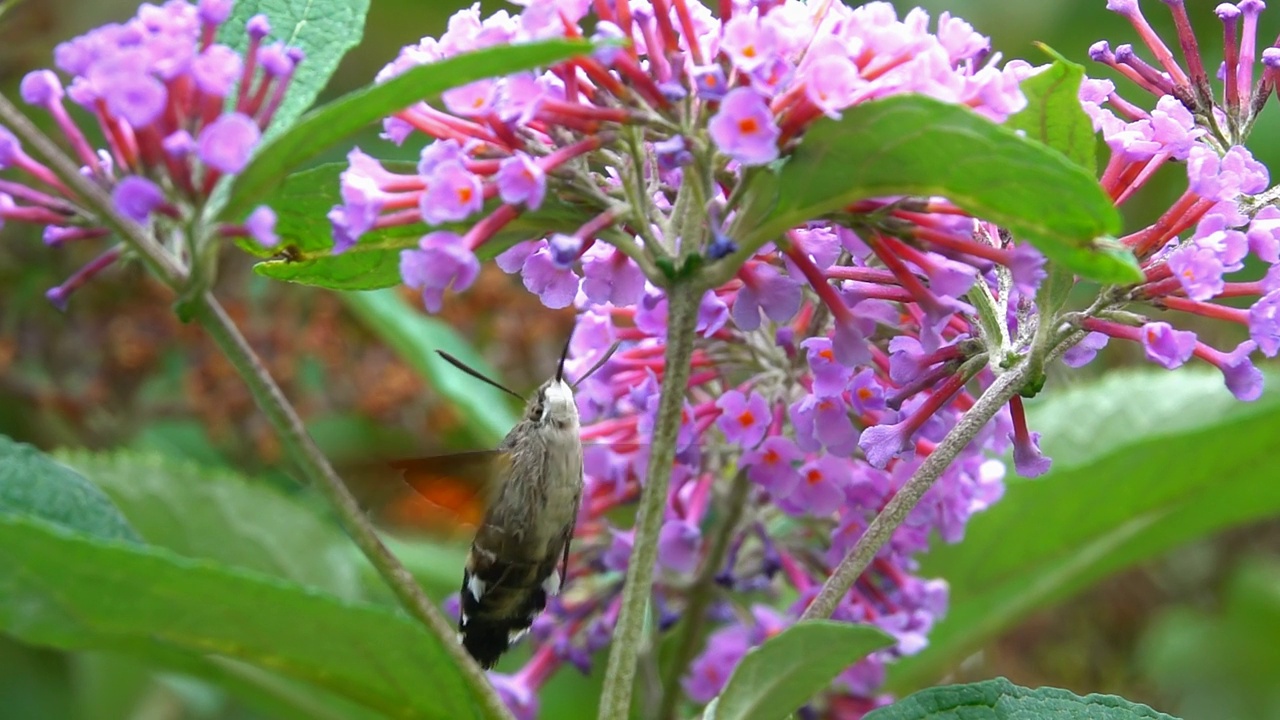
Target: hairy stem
{"type": "Point", "coordinates": [288, 426]}
{"type": "Point", "coordinates": [682, 319]}
{"type": "Point", "coordinates": [699, 596]}
{"type": "Point", "coordinates": [896, 511]}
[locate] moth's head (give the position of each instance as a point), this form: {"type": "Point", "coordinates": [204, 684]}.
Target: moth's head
{"type": "Point", "coordinates": [553, 405]}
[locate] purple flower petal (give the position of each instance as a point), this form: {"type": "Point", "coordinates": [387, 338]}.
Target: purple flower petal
{"type": "Point", "coordinates": [453, 194]}
{"type": "Point", "coordinates": [521, 180]}
{"type": "Point", "coordinates": [744, 129]}
{"type": "Point", "coordinates": [744, 420]}
{"type": "Point", "coordinates": [678, 545]}
{"type": "Point", "coordinates": [442, 261]}
{"type": "Point", "coordinates": [261, 225]}
{"type": "Point", "coordinates": [1027, 458]}
{"type": "Point", "coordinates": [1166, 346]}
{"type": "Point", "coordinates": [226, 143]}
{"type": "Point", "coordinates": [137, 197]}
{"type": "Point", "coordinates": [1084, 351]}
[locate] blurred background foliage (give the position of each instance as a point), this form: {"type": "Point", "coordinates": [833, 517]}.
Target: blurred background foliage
{"type": "Point", "coordinates": [1194, 633]}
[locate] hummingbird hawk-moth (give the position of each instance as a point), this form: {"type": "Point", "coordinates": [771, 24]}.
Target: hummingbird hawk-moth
{"type": "Point", "coordinates": [530, 488]}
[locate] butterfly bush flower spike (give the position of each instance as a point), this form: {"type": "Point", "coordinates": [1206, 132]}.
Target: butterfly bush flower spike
{"type": "Point", "coordinates": [1194, 254]}
{"type": "Point", "coordinates": [831, 362]}
{"type": "Point", "coordinates": [176, 110]}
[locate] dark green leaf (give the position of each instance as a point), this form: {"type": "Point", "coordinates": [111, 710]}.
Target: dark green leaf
{"type": "Point", "coordinates": [1054, 115]}
{"type": "Point", "coordinates": [1054, 290]}
{"type": "Point", "coordinates": [324, 29]}
{"type": "Point", "coordinates": [71, 591]}
{"type": "Point", "coordinates": [1104, 261]}
{"type": "Point", "coordinates": [34, 682]}
{"type": "Point", "coordinates": [416, 337]}
{"type": "Point", "coordinates": [776, 678]}
{"type": "Point", "coordinates": [1002, 700]}
{"type": "Point", "coordinates": [1143, 462]}
{"type": "Point", "coordinates": [108, 684]}
{"type": "Point", "coordinates": [304, 199]}
{"type": "Point", "coordinates": [33, 485]}
{"type": "Point", "coordinates": [914, 145]}
{"type": "Point", "coordinates": [1219, 662]}
{"type": "Point", "coordinates": [201, 512]}
{"type": "Point", "coordinates": [335, 121]}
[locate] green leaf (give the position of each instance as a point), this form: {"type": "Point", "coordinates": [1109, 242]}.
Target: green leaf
{"type": "Point", "coordinates": [1053, 114]}
{"type": "Point", "coordinates": [777, 677]}
{"type": "Point", "coordinates": [71, 591]}
{"type": "Point", "coordinates": [1220, 663]}
{"type": "Point", "coordinates": [1143, 462]}
{"type": "Point", "coordinates": [33, 485]}
{"type": "Point", "coordinates": [914, 145]}
{"type": "Point", "coordinates": [324, 29]}
{"type": "Point", "coordinates": [201, 512]}
{"type": "Point", "coordinates": [305, 198]}
{"type": "Point", "coordinates": [416, 337]}
{"type": "Point", "coordinates": [335, 121]}
{"type": "Point", "coordinates": [1054, 290]}
{"type": "Point", "coordinates": [1000, 699]}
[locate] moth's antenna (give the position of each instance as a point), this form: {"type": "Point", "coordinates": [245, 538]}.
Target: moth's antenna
{"type": "Point", "coordinates": [476, 373]}
{"type": "Point", "coordinates": [564, 355]}
{"type": "Point", "coordinates": [599, 363]}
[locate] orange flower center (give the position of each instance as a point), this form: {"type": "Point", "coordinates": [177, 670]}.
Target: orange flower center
{"type": "Point", "coordinates": [748, 126]}
{"type": "Point", "coordinates": [813, 476]}
{"type": "Point", "coordinates": [464, 194]}
{"type": "Point", "coordinates": [747, 418]}
{"type": "Point", "coordinates": [771, 457]}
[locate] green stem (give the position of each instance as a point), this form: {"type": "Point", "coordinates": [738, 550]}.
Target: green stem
{"type": "Point", "coordinates": [682, 318]}
{"type": "Point", "coordinates": [700, 595]}
{"type": "Point", "coordinates": [896, 511]}
{"type": "Point", "coordinates": [293, 435]}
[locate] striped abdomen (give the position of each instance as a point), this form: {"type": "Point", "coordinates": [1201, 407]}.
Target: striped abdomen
{"type": "Point", "coordinates": [500, 600]}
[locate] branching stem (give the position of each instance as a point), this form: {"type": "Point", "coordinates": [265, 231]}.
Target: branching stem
{"type": "Point", "coordinates": [896, 511]}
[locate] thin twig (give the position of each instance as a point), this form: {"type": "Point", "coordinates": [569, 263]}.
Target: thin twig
{"type": "Point", "coordinates": [700, 595]}
{"type": "Point", "coordinates": [895, 512]}
{"type": "Point", "coordinates": [293, 435]}
{"type": "Point", "coordinates": [682, 319]}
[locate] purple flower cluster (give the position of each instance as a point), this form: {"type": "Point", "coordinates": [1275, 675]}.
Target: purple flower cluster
{"type": "Point", "coordinates": [1196, 251]}
{"type": "Point", "coordinates": [176, 110]}
{"type": "Point", "coordinates": [835, 360]}
{"type": "Point", "coordinates": [827, 368]}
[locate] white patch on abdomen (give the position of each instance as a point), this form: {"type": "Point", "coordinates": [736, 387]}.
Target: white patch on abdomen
{"type": "Point", "coordinates": [551, 586]}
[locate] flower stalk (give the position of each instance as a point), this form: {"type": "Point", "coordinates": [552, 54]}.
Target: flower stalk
{"type": "Point", "coordinates": [682, 298]}
{"type": "Point", "coordinates": [881, 529]}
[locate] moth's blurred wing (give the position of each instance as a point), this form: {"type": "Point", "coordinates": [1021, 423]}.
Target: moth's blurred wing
{"type": "Point", "coordinates": [438, 495]}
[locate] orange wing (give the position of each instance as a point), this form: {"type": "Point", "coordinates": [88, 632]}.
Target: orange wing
{"type": "Point", "coordinates": [443, 495]}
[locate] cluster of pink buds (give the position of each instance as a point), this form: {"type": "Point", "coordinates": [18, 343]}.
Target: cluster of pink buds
{"type": "Point", "coordinates": [1196, 251]}
{"type": "Point", "coordinates": [176, 110]}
